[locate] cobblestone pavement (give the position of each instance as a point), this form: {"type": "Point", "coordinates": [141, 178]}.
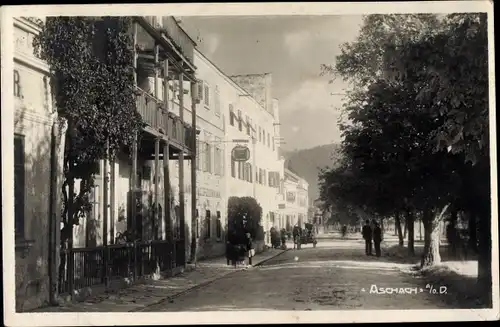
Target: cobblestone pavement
{"type": "Point", "coordinates": [140, 296]}
{"type": "Point", "coordinates": [335, 275]}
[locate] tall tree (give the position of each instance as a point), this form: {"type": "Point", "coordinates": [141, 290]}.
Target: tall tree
{"type": "Point", "coordinates": [91, 60]}
{"type": "Point", "coordinates": [452, 75]}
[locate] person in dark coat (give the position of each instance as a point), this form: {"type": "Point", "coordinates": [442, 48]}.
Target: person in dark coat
{"type": "Point", "coordinates": [250, 249]}
{"type": "Point", "coordinates": [344, 231]}
{"type": "Point", "coordinates": [231, 248]}
{"type": "Point", "coordinates": [377, 238]}
{"type": "Point", "coordinates": [367, 235]}
{"type": "Point", "coordinates": [283, 238]}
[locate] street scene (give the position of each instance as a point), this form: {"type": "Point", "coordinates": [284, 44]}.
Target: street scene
{"type": "Point", "coordinates": [251, 163]}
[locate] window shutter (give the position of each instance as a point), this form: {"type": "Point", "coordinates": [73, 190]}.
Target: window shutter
{"type": "Point", "coordinates": [200, 90]}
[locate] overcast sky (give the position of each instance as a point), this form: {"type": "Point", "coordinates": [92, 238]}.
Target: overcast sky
{"type": "Point", "coordinates": [292, 48]}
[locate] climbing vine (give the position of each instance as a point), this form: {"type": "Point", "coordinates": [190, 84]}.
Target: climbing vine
{"type": "Point", "coordinates": [91, 59]}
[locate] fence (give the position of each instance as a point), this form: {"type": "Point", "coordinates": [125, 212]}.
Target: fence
{"type": "Point", "coordinates": [87, 267]}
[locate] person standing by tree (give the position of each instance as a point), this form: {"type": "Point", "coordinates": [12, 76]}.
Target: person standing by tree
{"type": "Point", "coordinates": [367, 235]}
{"type": "Point", "coordinates": [296, 237]}
{"type": "Point", "coordinates": [377, 238]}
{"type": "Point", "coordinates": [283, 238]}
{"type": "Point", "coordinates": [250, 249]}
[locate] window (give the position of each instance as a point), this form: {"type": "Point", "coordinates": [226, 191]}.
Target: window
{"type": "Point", "coordinates": [250, 174]}
{"type": "Point", "coordinates": [201, 87]}
{"type": "Point", "coordinates": [240, 175]}
{"type": "Point", "coordinates": [240, 121]}
{"type": "Point", "coordinates": [246, 172]}
{"type": "Point", "coordinates": [268, 140]}
{"type": "Point", "coordinates": [218, 161]}
{"type": "Point", "coordinates": [219, 226]}
{"type": "Point", "coordinates": [19, 184]}
{"type": "Point", "coordinates": [217, 101]}
{"type": "Point", "coordinates": [260, 134]}
{"type": "Point", "coordinates": [177, 220]}
{"type": "Point", "coordinates": [248, 125]}
{"type": "Point", "coordinates": [208, 158]}
{"type": "Point", "coordinates": [257, 174]}
{"type": "Point", "coordinates": [233, 168]}
{"type": "Point", "coordinates": [207, 224]}
{"type": "Point", "coordinates": [198, 155]}
{"type": "Point", "coordinates": [274, 144]}
{"type": "Point", "coordinates": [206, 96]}
{"type": "Point", "coordinates": [270, 179]}
{"type": "Point", "coordinates": [231, 115]}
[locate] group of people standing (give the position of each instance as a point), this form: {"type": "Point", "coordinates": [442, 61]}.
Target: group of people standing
{"type": "Point", "coordinates": [372, 233]}
{"type": "Point", "coordinates": [238, 247]}
{"type": "Point", "coordinates": [278, 238]}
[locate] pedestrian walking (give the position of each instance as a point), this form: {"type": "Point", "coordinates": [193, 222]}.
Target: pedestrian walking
{"type": "Point", "coordinates": [344, 231]}
{"type": "Point", "coordinates": [377, 238]}
{"type": "Point", "coordinates": [283, 238]}
{"type": "Point", "coordinates": [250, 249]}
{"type": "Point", "coordinates": [296, 237]}
{"type": "Point", "coordinates": [367, 235]}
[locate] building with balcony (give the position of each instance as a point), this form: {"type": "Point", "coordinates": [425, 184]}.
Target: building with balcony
{"type": "Point", "coordinates": [145, 193]}
{"type": "Point", "coordinates": [211, 205]}
{"type": "Point", "coordinates": [295, 202]}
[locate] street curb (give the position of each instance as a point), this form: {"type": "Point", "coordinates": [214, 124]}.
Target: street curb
{"type": "Point", "coordinates": [273, 257]}
{"type": "Point", "coordinates": [203, 284]}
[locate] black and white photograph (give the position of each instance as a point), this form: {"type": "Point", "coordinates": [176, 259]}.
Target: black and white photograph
{"type": "Point", "coordinates": [249, 163]}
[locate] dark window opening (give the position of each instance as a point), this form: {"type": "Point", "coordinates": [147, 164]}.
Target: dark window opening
{"type": "Point", "coordinates": [219, 226]}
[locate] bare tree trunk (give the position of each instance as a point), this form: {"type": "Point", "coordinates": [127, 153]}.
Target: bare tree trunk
{"type": "Point", "coordinates": [57, 159]}
{"type": "Point", "coordinates": [431, 223]}
{"type": "Point", "coordinates": [484, 277]}
{"type": "Point", "coordinates": [405, 228]}
{"type": "Point", "coordinates": [398, 229]}
{"type": "Point", "coordinates": [411, 233]}
{"type": "Point", "coordinates": [472, 244]}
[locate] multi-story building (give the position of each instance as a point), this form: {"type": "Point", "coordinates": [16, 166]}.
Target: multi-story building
{"type": "Point", "coordinates": [33, 168]}
{"type": "Point", "coordinates": [252, 116]}
{"type": "Point", "coordinates": [294, 207]}
{"type": "Point", "coordinates": [142, 192]}
{"type": "Point", "coordinates": [211, 202]}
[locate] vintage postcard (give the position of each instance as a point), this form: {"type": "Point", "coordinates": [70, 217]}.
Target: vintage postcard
{"type": "Point", "coordinates": [249, 163]}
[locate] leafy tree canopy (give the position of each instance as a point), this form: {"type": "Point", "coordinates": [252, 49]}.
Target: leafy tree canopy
{"type": "Point", "coordinates": [92, 63]}
{"type": "Point", "coordinates": [244, 215]}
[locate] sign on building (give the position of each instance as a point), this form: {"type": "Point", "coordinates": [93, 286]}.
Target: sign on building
{"type": "Point", "coordinates": [240, 153]}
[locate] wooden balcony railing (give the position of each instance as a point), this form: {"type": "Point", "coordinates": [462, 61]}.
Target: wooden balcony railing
{"type": "Point", "coordinates": [169, 26]}
{"type": "Point", "coordinates": [151, 110]}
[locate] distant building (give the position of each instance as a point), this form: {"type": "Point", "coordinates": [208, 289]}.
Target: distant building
{"type": "Point", "coordinates": [295, 202]}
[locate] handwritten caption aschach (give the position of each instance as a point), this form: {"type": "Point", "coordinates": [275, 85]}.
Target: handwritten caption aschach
{"type": "Point", "coordinates": [430, 289]}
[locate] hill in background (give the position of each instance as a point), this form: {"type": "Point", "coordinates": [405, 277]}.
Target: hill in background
{"type": "Point", "coordinates": [308, 162]}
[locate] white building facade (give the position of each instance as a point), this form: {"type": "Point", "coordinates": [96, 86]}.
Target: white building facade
{"type": "Point", "coordinates": [294, 206]}
{"type": "Point", "coordinates": [235, 117]}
